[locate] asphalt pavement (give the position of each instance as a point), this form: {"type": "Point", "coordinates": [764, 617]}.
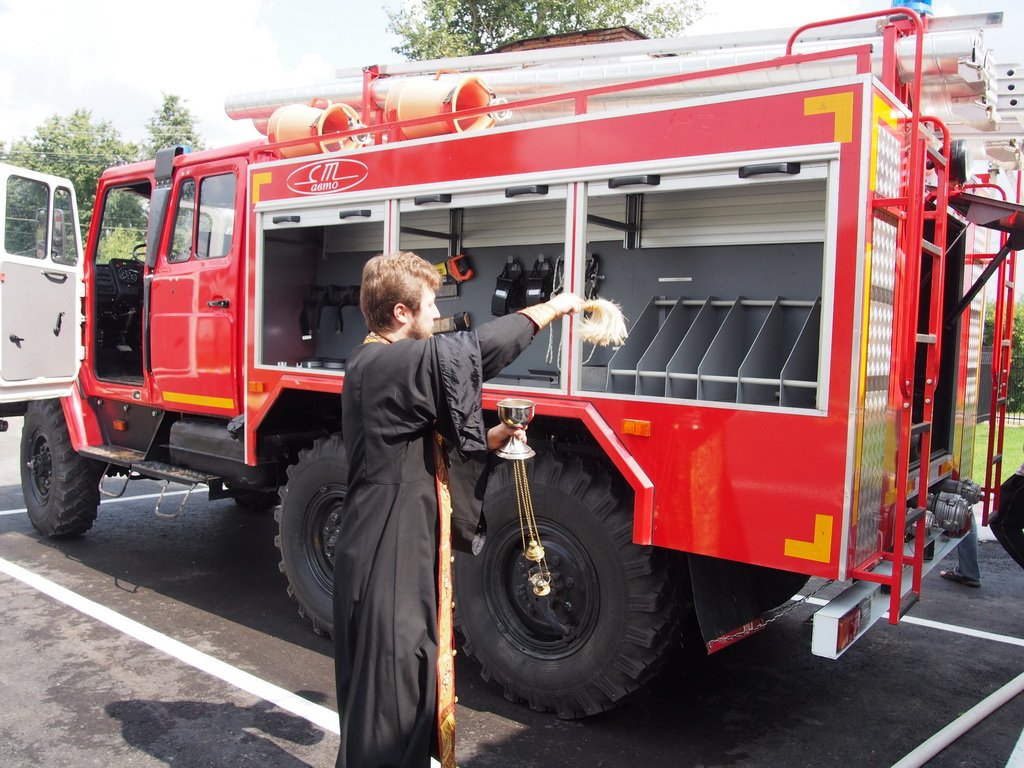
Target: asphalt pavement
{"type": "Point", "coordinates": [151, 642]}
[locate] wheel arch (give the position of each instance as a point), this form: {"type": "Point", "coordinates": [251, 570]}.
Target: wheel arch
{"type": "Point", "coordinates": [293, 421]}
{"type": "Point", "coordinates": [83, 426]}
{"type": "Point", "coordinates": [558, 416]}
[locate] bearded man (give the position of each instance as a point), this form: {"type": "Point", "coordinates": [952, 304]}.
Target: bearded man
{"type": "Point", "coordinates": [408, 398]}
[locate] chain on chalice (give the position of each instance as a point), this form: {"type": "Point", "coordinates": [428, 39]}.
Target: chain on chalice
{"type": "Point", "coordinates": [517, 414]}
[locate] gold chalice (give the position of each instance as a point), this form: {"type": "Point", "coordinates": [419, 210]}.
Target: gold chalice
{"type": "Point", "coordinates": [515, 413]}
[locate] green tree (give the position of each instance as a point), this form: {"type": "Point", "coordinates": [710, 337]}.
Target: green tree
{"type": "Point", "coordinates": [77, 148]}
{"type": "Point", "coordinates": [439, 28]}
{"type": "Point", "coordinates": [172, 123]}
{"type": "Point", "coordinates": [1015, 385]}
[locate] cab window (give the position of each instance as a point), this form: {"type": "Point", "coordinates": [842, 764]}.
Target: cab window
{"type": "Point", "coordinates": [123, 225]}
{"type": "Point", "coordinates": [204, 224]}
{"type": "Point", "coordinates": [64, 247]}
{"type": "Point", "coordinates": [181, 245]}
{"type": "Point", "coordinates": [25, 218]}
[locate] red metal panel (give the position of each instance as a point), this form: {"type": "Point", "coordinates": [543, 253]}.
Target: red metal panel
{"type": "Point", "coordinates": [83, 427]}
{"type": "Point", "coordinates": [740, 125]}
{"type": "Point", "coordinates": [740, 484]}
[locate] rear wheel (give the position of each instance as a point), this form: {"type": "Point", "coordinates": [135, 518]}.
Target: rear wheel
{"type": "Point", "coordinates": [308, 521]}
{"type": "Point", "coordinates": [61, 488]}
{"type": "Point", "coordinates": [607, 625]}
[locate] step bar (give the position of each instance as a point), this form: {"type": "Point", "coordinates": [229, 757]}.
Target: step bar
{"type": "Point", "coordinates": [135, 461]}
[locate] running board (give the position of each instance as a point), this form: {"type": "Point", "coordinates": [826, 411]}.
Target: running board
{"type": "Point", "coordinates": [845, 618]}
{"type": "Point", "coordinates": [112, 454]}
{"type": "Point", "coordinates": [175, 474]}
{"type": "Point", "coordinates": [135, 461]}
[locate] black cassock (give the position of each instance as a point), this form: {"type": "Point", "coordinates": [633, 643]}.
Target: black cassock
{"type": "Point", "coordinates": [1008, 522]}
{"type": "Point", "coordinates": [395, 397]}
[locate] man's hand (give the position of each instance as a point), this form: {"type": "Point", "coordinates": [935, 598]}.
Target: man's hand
{"type": "Point", "coordinates": [499, 434]}
{"type": "Point", "coordinates": [566, 303]}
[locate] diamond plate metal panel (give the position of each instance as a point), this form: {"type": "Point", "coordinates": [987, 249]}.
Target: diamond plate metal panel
{"type": "Point", "coordinates": [887, 171]}
{"type": "Point", "coordinates": [878, 360]}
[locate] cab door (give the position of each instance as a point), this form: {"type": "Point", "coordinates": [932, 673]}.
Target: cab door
{"type": "Point", "coordinates": [195, 311]}
{"type": "Point", "coordinates": [40, 285]}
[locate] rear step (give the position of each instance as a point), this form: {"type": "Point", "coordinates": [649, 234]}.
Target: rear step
{"type": "Point", "coordinates": [136, 462]}
{"type": "Point", "coordinates": [840, 623]}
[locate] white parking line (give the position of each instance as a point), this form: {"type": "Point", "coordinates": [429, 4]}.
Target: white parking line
{"type": "Point", "coordinates": [117, 500]}
{"type": "Point", "coordinates": [1017, 756]}
{"type": "Point", "coordinates": [318, 715]}
{"type": "Point", "coordinates": [981, 634]}
{"type": "Point", "coordinates": [942, 626]}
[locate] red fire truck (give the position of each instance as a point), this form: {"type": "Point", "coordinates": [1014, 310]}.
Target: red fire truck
{"type": "Point", "coordinates": [798, 229]}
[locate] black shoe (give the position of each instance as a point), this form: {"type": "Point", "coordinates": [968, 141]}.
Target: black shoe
{"type": "Point", "coordinates": [958, 577]}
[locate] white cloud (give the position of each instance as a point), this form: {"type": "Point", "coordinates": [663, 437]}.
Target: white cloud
{"type": "Point", "coordinates": [116, 58]}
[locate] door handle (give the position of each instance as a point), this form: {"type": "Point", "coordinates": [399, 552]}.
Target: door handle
{"type": "Point", "coordinates": [60, 322]}
{"type": "Point", "coordinates": [16, 339]}
{"type": "Point", "coordinates": [55, 277]}
{"type": "Point", "coordinates": [222, 303]}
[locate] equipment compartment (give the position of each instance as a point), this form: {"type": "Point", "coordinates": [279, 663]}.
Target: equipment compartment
{"type": "Point", "coordinates": [715, 314]}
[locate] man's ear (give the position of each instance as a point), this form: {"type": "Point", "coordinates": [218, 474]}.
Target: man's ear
{"type": "Point", "coordinates": [401, 314]}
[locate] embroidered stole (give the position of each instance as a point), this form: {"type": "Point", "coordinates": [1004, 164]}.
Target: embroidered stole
{"type": "Point", "coordinates": [445, 638]}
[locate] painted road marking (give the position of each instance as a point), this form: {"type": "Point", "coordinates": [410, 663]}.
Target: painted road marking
{"type": "Point", "coordinates": [1017, 756]}
{"type": "Point", "coordinates": [23, 510]}
{"type": "Point", "coordinates": [286, 700]}
{"type": "Point", "coordinates": [942, 626]}
{"type": "Point", "coordinates": [318, 715]}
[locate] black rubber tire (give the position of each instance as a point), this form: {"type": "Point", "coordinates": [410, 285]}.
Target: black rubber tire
{"type": "Point", "coordinates": [61, 488]}
{"type": "Point", "coordinates": [307, 527]}
{"type": "Point", "coordinates": [616, 601]}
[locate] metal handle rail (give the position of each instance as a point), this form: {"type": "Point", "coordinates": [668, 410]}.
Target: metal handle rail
{"type": "Point", "coordinates": [1000, 375]}
{"type": "Point", "coordinates": [372, 117]}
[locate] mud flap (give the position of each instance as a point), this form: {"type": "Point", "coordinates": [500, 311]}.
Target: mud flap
{"type": "Point", "coordinates": [730, 598]}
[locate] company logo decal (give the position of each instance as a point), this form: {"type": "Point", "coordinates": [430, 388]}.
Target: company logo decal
{"type": "Point", "coordinates": [325, 176]}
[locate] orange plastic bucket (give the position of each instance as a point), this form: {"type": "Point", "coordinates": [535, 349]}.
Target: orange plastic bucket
{"type": "Point", "coordinates": [296, 121]}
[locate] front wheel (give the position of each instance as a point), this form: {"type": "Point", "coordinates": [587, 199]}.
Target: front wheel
{"type": "Point", "coordinates": [609, 621]}
{"type": "Point", "coordinates": [308, 521]}
{"type": "Point", "coordinates": [61, 488]}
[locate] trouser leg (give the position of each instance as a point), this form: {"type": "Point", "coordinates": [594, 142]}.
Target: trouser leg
{"type": "Point", "coordinates": [968, 553]}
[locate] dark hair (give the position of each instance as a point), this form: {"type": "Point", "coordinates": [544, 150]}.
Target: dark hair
{"type": "Point", "coordinates": [390, 279]}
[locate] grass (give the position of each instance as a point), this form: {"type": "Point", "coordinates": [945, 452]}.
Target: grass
{"type": "Point", "coordinates": [1013, 450]}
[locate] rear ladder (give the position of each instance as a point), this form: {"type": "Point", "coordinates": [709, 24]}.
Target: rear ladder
{"type": "Point", "coordinates": [1002, 341]}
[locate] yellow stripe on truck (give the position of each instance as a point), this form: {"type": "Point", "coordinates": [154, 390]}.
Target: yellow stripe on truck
{"type": "Point", "coordinates": [209, 402]}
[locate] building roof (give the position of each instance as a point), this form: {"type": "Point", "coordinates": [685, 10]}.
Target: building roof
{"type": "Point", "coordinates": [585, 37]}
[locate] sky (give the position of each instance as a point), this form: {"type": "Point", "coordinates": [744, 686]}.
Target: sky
{"type": "Point", "coordinates": [116, 58]}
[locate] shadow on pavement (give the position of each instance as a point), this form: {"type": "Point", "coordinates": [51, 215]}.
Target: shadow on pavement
{"type": "Point", "coordinates": [196, 733]}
